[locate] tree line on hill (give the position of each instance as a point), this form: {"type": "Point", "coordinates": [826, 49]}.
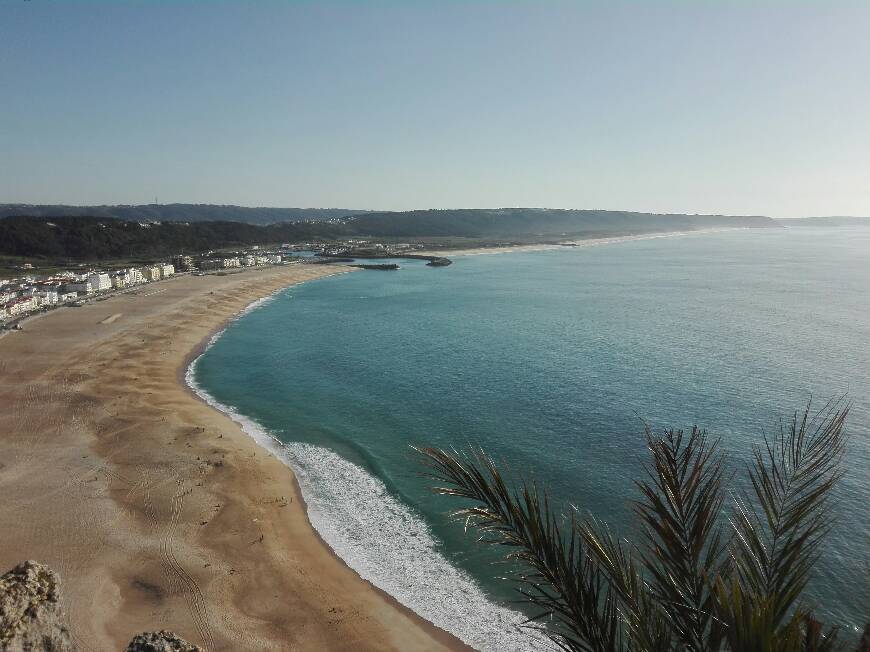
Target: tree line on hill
{"type": "Point", "coordinates": [95, 237]}
{"type": "Point", "coordinates": [529, 222]}
{"type": "Point", "coordinates": [181, 212]}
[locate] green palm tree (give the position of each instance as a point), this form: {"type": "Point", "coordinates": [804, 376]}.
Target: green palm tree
{"type": "Point", "coordinates": [702, 578]}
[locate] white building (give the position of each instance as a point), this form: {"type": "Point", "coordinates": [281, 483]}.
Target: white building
{"type": "Point", "coordinates": [167, 270]}
{"type": "Point", "coordinates": [119, 281]}
{"type": "Point", "coordinates": [182, 263]}
{"type": "Point", "coordinates": [21, 305]}
{"type": "Point", "coordinates": [81, 288]}
{"type": "Point", "coordinates": [232, 262]}
{"type": "Point", "coordinates": [64, 297]}
{"type": "Point", "coordinates": [134, 276]}
{"type": "Point", "coordinates": [100, 282]}
{"type": "Point", "coordinates": [210, 264]}
{"type": "Point", "coordinates": [47, 297]}
{"type": "Point", "coordinates": [247, 260]}
{"type": "Point", "coordinates": [151, 273]}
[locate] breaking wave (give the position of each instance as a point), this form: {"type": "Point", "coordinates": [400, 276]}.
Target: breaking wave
{"type": "Point", "coordinates": [385, 541]}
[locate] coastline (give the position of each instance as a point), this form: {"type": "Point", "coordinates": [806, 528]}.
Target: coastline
{"type": "Point", "coordinates": [157, 511]}
{"type": "Point", "coordinates": [273, 446]}
{"type": "Point", "coordinates": [330, 537]}
{"type": "Point", "coordinates": [578, 244]}
{"type": "Point", "coordinates": [484, 622]}
{"type": "Point", "coordinates": [143, 543]}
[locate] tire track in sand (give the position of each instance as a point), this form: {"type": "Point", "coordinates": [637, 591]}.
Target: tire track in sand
{"type": "Point", "coordinates": [179, 580]}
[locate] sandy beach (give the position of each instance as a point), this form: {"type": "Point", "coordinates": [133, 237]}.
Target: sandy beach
{"type": "Point", "coordinates": [156, 510]}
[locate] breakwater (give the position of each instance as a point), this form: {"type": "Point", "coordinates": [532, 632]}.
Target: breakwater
{"type": "Point", "coordinates": [349, 256]}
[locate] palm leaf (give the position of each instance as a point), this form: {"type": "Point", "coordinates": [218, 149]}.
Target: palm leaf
{"type": "Point", "coordinates": [556, 573]}
{"type": "Point", "coordinates": [691, 585]}
{"type": "Point", "coordinates": [684, 546]}
{"type": "Point", "coordinates": [648, 627]}
{"type": "Point", "coordinates": [780, 527]}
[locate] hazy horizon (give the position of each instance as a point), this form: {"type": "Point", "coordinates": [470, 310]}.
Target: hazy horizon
{"type": "Point", "coordinates": [730, 109]}
{"type": "Point", "coordinates": [447, 208]}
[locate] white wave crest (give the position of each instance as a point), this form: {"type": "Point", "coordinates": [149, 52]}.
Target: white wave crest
{"type": "Point", "coordinates": [391, 546]}
{"type": "Point", "coordinates": [385, 541]}
{"type": "Point", "coordinates": [257, 304]}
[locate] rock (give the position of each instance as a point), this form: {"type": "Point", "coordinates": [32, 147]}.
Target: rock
{"type": "Point", "coordinates": [31, 617]}
{"type": "Point", "coordinates": [161, 641]}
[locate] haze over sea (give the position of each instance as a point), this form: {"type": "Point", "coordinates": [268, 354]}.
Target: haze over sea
{"type": "Point", "coordinates": [550, 360]}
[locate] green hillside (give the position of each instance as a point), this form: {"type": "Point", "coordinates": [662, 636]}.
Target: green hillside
{"type": "Point", "coordinates": [95, 237]}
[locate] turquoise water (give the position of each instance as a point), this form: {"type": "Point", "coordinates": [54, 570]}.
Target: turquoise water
{"type": "Point", "coordinates": [551, 360]}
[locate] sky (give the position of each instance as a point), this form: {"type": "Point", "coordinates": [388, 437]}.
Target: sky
{"type": "Point", "coordinates": [692, 107]}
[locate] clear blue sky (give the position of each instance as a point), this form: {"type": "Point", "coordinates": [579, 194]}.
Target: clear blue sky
{"type": "Point", "coordinates": [732, 107]}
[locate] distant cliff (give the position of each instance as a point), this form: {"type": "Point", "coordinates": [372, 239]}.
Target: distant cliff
{"type": "Point", "coordinates": [526, 222]}
{"type": "Point", "coordinates": [832, 220]}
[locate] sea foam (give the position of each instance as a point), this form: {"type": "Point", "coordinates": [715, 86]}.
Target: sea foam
{"type": "Point", "coordinates": [382, 539]}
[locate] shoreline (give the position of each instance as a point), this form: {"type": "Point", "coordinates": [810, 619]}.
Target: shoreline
{"type": "Point", "coordinates": [574, 244]}
{"type": "Point", "coordinates": [281, 451]}
{"type": "Point", "coordinates": [117, 522]}
{"type": "Point", "coordinates": [276, 447]}
{"type": "Point", "coordinates": [185, 379]}
{"type": "Point", "coordinates": [157, 511]}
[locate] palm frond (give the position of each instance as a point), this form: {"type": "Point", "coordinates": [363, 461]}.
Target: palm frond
{"type": "Point", "coordinates": [556, 573]}
{"type": "Point", "coordinates": [648, 628]}
{"type": "Point", "coordinates": [692, 584]}
{"type": "Point", "coordinates": [684, 546]}
{"type": "Point", "coordinates": [781, 525]}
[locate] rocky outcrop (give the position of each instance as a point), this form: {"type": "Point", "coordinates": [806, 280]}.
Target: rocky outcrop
{"type": "Point", "coordinates": [31, 617]}
{"type": "Point", "coordinates": [161, 641]}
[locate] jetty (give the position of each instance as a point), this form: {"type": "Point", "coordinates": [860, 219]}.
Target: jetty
{"type": "Point", "coordinates": [381, 267]}
{"type": "Point", "coordinates": [351, 254]}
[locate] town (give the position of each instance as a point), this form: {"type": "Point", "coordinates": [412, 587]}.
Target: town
{"type": "Point", "coordinates": [32, 293]}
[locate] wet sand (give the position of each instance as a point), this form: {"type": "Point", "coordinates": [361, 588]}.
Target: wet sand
{"type": "Point", "coordinates": [157, 511]}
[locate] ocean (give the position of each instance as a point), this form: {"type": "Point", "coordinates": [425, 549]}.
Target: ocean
{"type": "Point", "coordinates": [552, 361]}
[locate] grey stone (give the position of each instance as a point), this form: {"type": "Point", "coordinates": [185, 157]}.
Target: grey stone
{"type": "Point", "coordinates": [31, 617]}
{"type": "Point", "coordinates": [161, 641]}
